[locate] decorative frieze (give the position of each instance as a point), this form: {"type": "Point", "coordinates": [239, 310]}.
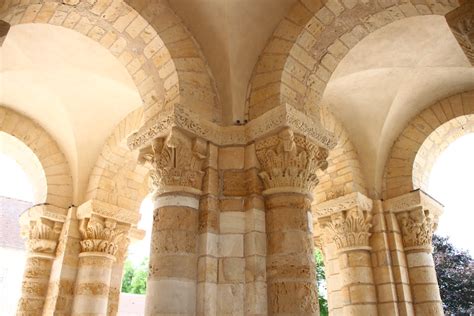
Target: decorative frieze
{"type": "Point", "coordinates": [343, 203]}
{"type": "Point", "coordinates": [177, 161]}
{"type": "Point", "coordinates": [284, 116]}
{"type": "Point", "coordinates": [346, 220]}
{"type": "Point", "coordinates": [41, 226]}
{"type": "Point", "coordinates": [461, 21]}
{"type": "Point", "coordinates": [100, 235]}
{"type": "Point", "coordinates": [290, 161]}
{"type": "Point", "coordinates": [417, 214]}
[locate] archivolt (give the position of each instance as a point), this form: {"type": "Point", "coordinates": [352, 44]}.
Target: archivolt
{"type": "Point", "coordinates": [146, 36]}
{"type": "Point", "coordinates": [422, 141]}
{"type": "Point", "coordinates": [313, 38]}
{"type": "Point", "coordinates": [58, 177]}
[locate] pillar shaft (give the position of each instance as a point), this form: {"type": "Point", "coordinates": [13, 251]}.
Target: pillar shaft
{"type": "Point", "coordinates": [291, 273]}
{"type": "Point", "coordinates": [417, 216]}
{"type": "Point", "coordinates": [177, 175]}
{"type": "Point", "coordinates": [171, 287]}
{"type": "Point", "coordinates": [41, 225]}
{"type": "Point", "coordinates": [346, 221]}
{"type": "Point", "coordinates": [289, 164]}
{"type": "Point", "coordinates": [35, 285]}
{"type": "Point", "coordinates": [93, 284]}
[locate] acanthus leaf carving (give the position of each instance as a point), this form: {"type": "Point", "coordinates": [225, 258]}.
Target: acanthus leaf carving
{"type": "Point", "coordinates": [349, 229]}
{"type": "Point", "coordinates": [100, 235]}
{"type": "Point", "coordinates": [43, 235]}
{"type": "Point", "coordinates": [176, 160]}
{"type": "Point", "coordinates": [290, 160]}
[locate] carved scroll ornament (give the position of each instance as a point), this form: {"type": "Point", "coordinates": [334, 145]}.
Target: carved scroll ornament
{"type": "Point", "coordinates": [289, 160]}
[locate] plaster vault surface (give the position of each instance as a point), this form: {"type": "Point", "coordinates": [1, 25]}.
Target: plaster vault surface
{"type": "Point", "coordinates": [73, 87]}
{"type": "Point", "coordinates": [413, 63]}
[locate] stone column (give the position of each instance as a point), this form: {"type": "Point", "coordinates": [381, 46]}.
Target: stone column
{"type": "Point", "coordinates": [41, 225]}
{"type": "Point", "coordinates": [99, 245]}
{"type": "Point", "coordinates": [177, 176]}
{"type": "Point", "coordinates": [346, 221]}
{"type": "Point", "coordinates": [417, 215]}
{"type": "Point", "coordinates": [289, 163]}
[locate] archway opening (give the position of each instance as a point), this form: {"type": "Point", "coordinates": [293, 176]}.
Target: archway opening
{"type": "Point", "coordinates": [451, 183]}
{"type": "Point", "coordinates": [22, 184]}
{"type": "Point", "coordinates": [135, 272]}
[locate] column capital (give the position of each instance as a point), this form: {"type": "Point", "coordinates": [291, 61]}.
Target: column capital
{"type": "Point", "coordinates": [177, 162]}
{"type": "Point", "coordinates": [41, 225]}
{"type": "Point", "coordinates": [417, 214]}
{"type": "Point", "coordinates": [289, 162]}
{"type": "Point", "coordinates": [346, 221]}
{"type": "Point", "coordinates": [101, 235]}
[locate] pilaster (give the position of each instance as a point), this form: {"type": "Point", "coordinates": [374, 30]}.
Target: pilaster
{"type": "Point", "coordinates": [417, 216]}
{"type": "Point", "coordinates": [346, 222]}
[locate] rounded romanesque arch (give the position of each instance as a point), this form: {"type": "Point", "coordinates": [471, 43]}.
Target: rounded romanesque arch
{"type": "Point", "coordinates": [312, 39]}
{"type": "Point", "coordinates": [117, 178]}
{"type": "Point", "coordinates": [54, 172]}
{"type": "Point", "coordinates": [149, 40]}
{"type": "Point", "coordinates": [423, 140]}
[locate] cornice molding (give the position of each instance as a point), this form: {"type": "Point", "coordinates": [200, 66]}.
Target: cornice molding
{"type": "Point", "coordinates": [273, 121]}
{"type": "Point", "coordinates": [343, 203]}
{"type": "Point", "coordinates": [411, 201]}
{"type": "Point", "coordinates": [106, 210]}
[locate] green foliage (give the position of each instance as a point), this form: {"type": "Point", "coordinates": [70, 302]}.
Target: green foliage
{"type": "Point", "coordinates": [135, 277]}
{"type": "Point", "coordinates": [323, 302]}
{"type": "Point", "coordinates": [455, 271]}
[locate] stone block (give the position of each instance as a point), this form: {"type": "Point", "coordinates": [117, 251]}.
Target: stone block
{"type": "Point", "coordinates": [362, 294]}
{"type": "Point", "coordinates": [230, 299]}
{"type": "Point", "coordinates": [255, 269]}
{"type": "Point", "coordinates": [231, 157]}
{"type": "Point", "coordinates": [420, 259]}
{"type": "Point", "coordinates": [207, 244]}
{"type": "Point", "coordinates": [255, 244]}
{"type": "Point", "coordinates": [207, 269]}
{"type": "Point", "coordinates": [231, 245]}
{"type": "Point", "coordinates": [206, 299]}
{"type": "Point", "coordinates": [170, 297]}
{"type": "Point", "coordinates": [232, 222]}
{"type": "Point", "coordinates": [255, 220]}
{"type": "Point", "coordinates": [231, 270]}
{"type": "Point", "coordinates": [256, 298]}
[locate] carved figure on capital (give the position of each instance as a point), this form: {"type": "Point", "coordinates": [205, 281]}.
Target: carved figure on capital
{"type": "Point", "coordinates": [100, 235]}
{"type": "Point", "coordinates": [177, 160]}
{"type": "Point", "coordinates": [417, 227]}
{"type": "Point", "coordinates": [290, 160]}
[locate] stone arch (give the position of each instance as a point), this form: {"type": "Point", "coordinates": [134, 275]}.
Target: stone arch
{"type": "Point", "coordinates": [117, 178]}
{"type": "Point", "coordinates": [147, 37]}
{"type": "Point", "coordinates": [344, 174]}
{"type": "Point", "coordinates": [422, 141]}
{"type": "Point", "coordinates": [312, 39]}
{"type": "Point", "coordinates": [57, 174]}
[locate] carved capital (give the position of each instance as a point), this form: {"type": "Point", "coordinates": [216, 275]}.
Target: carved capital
{"type": "Point", "coordinates": [100, 235]}
{"type": "Point", "coordinates": [290, 161]}
{"type": "Point", "coordinates": [106, 210]}
{"type": "Point", "coordinates": [461, 21]}
{"type": "Point", "coordinates": [41, 225]}
{"type": "Point", "coordinates": [417, 215]}
{"type": "Point", "coordinates": [177, 162]}
{"type": "Point", "coordinates": [346, 221]}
